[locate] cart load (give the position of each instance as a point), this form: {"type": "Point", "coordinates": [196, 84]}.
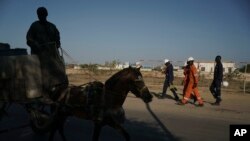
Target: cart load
{"type": "Point", "coordinates": [20, 75]}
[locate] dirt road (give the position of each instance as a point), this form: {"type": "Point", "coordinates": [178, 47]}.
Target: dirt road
{"type": "Point", "coordinates": [191, 123]}
{"type": "Point", "coordinates": [162, 119]}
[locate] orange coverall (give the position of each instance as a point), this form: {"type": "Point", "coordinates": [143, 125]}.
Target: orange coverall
{"type": "Point", "coordinates": [192, 77]}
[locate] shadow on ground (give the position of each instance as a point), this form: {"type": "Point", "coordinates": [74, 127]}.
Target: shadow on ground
{"type": "Point", "coordinates": [192, 99]}
{"type": "Point", "coordinates": [78, 129]}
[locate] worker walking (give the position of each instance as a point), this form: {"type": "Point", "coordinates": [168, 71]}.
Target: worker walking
{"type": "Point", "coordinates": [169, 78]}
{"type": "Point", "coordinates": [138, 65]}
{"type": "Point", "coordinates": [192, 83]}
{"type": "Point", "coordinates": [185, 82]}
{"type": "Point", "coordinates": [215, 87]}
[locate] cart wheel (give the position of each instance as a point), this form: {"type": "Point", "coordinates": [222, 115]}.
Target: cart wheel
{"type": "Point", "coordinates": [42, 118]}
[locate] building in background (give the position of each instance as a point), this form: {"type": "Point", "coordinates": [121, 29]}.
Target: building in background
{"type": "Point", "coordinates": [208, 66]}
{"type": "Point", "coordinates": [120, 66]}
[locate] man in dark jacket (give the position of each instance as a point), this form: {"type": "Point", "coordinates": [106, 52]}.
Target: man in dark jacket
{"type": "Point", "coordinates": [42, 33]}
{"type": "Point", "coordinates": [215, 87]}
{"type": "Point", "coordinates": [44, 40]}
{"type": "Point", "coordinates": [169, 78]}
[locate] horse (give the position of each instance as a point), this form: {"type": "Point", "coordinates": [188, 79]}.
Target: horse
{"type": "Point", "coordinates": [110, 97]}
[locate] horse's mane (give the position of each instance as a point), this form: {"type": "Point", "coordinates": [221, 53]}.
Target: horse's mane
{"type": "Point", "coordinates": [114, 78]}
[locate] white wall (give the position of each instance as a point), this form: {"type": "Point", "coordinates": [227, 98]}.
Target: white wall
{"type": "Point", "coordinates": [209, 66]}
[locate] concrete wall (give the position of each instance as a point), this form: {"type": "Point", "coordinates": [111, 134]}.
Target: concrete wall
{"type": "Point", "coordinates": [208, 67]}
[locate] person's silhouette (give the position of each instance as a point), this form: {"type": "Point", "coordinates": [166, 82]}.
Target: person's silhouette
{"type": "Point", "coordinates": [42, 32]}
{"type": "Point", "coordinates": [44, 40]}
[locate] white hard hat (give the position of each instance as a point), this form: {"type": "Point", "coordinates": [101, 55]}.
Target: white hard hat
{"type": "Point", "coordinates": [166, 60]}
{"type": "Point", "coordinates": [138, 65]}
{"type": "Point", "coordinates": [190, 59]}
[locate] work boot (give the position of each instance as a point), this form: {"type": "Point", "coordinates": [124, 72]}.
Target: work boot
{"type": "Point", "coordinates": [177, 98]}
{"type": "Point", "coordinates": [163, 96]}
{"type": "Point", "coordinates": [217, 102]}
{"type": "Point", "coordinates": [200, 105]}
{"type": "Point", "coordinates": [180, 103]}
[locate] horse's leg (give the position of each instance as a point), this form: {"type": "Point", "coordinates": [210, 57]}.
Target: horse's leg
{"type": "Point", "coordinates": [52, 134]}
{"type": "Point", "coordinates": [58, 125]}
{"type": "Point", "coordinates": [97, 130]}
{"type": "Point", "coordinates": [61, 128]}
{"type": "Point", "coordinates": [113, 123]}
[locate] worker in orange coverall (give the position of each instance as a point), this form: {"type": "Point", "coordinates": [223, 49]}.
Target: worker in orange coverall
{"type": "Point", "coordinates": [192, 83]}
{"type": "Point", "coordinates": [185, 82]}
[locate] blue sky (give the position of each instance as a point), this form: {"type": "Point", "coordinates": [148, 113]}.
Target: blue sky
{"type": "Point", "coordinates": [95, 31]}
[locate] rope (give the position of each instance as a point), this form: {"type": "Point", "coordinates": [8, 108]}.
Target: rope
{"type": "Point", "coordinates": [75, 62]}
{"type": "Point", "coordinates": [67, 55]}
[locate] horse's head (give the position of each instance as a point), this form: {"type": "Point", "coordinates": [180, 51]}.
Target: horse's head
{"type": "Point", "coordinates": [137, 85]}
{"type": "Point", "coordinates": [128, 79]}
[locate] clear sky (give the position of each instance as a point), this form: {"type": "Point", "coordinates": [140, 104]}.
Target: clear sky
{"type": "Point", "coordinates": [95, 31]}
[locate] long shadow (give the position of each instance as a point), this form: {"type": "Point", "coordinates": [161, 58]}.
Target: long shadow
{"type": "Point", "coordinates": [76, 128]}
{"type": "Point", "coordinates": [163, 127]}
{"type": "Point", "coordinates": [158, 95]}
{"type": "Point", "coordinates": [192, 100]}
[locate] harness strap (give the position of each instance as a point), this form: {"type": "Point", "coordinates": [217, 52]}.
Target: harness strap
{"type": "Point", "coordinates": [66, 93]}
{"type": "Point", "coordinates": [67, 96]}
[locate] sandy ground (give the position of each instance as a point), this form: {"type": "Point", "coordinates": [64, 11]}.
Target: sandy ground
{"type": "Point", "coordinates": [185, 123]}
{"type": "Point", "coordinates": [160, 120]}
{"type": "Point", "coordinates": [191, 123]}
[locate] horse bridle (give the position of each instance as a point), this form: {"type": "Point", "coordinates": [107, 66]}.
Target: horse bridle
{"type": "Point", "coordinates": [140, 80]}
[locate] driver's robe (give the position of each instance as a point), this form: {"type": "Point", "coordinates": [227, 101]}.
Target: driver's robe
{"type": "Point", "coordinates": [44, 41]}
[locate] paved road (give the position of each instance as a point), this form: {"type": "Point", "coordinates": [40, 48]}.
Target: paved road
{"type": "Point", "coordinates": [161, 120]}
